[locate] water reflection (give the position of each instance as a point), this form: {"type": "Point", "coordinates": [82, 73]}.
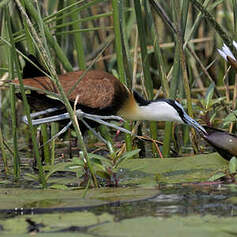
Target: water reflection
{"type": "Point", "coordinates": [219, 200]}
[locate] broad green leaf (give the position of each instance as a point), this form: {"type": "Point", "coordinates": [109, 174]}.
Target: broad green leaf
{"type": "Point", "coordinates": [59, 187]}
{"type": "Point", "coordinates": [233, 165]}
{"type": "Point", "coordinates": [126, 156]}
{"type": "Point", "coordinates": [103, 175]}
{"type": "Point", "coordinates": [209, 95]}
{"type": "Point", "coordinates": [232, 117]}
{"type": "Point", "coordinates": [216, 176]}
{"type": "Point", "coordinates": [29, 176]}
{"type": "Point", "coordinates": [95, 157]}
{"type": "Point", "coordinates": [77, 160]}
{"type": "Point", "coordinates": [216, 101]}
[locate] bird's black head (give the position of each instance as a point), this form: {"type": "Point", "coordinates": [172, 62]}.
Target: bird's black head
{"type": "Point", "coordinates": [185, 117]}
{"type": "Point", "coordinates": [140, 100]}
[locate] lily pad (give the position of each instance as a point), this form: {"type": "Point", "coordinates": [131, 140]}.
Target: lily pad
{"type": "Point", "coordinates": [54, 224]}
{"type": "Point", "coordinates": [174, 226]}
{"type": "Point", "coordinates": [88, 224]}
{"type": "Point", "coordinates": [23, 200]}
{"type": "Point", "coordinates": [197, 168]}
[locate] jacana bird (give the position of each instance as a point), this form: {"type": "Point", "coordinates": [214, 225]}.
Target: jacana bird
{"type": "Point", "coordinates": [100, 93]}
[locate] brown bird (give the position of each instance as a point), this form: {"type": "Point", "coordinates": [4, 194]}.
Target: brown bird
{"type": "Point", "coordinates": [100, 93]}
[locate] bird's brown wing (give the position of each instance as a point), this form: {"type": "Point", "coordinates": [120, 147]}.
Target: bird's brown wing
{"type": "Point", "coordinates": [96, 90]}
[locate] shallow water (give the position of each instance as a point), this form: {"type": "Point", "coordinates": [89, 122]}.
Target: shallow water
{"type": "Point", "coordinates": [148, 201]}
{"type": "Point", "coordinates": [166, 202]}
{"type": "Point", "coordinates": [189, 199]}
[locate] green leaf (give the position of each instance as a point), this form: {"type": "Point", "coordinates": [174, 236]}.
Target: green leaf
{"type": "Point", "coordinates": [77, 161]}
{"type": "Point", "coordinates": [209, 95]}
{"type": "Point", "coordinates": [126, 156]}
{"type": "Point", "coordinates": [216, 176]}
{"type": "Point", "coordinates": [213, 117]}
{"type": "Point", "coordinates": [103, 174]}
{"type": "Point", "coordinates": [216, 101]}
{"type": "Point", "coordinates": [64, 166]}
{"type": "Point", "coordinates": [59, 187]}
{"type": "Point", "coordinates": [31, 177]}
{"type": "Point", "coordinates": [98, 167]}
{"type": "Point", "coordinates": [101, 171]}
{"type": "Point", "coordinates": [232, 117]}
{"type": "Point", "coordinates": [233, 165]}
{"type": "Point", "coordinates": [95, 157]}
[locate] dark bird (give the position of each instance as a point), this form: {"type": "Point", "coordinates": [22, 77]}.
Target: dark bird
{"type": "Point", "coordinates": [100, 93]}
{"type": "Point", "coordinates": [225, 143]}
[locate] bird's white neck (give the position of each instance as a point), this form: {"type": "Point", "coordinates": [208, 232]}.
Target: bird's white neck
{"type": "Point", "coordinates": [154, 111]}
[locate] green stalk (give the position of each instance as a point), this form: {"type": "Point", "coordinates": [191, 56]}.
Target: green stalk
{"type": "Point", "coordinates": [164, 81]}
{"type": "Point", "coordinates": [3, 3]}
{"type": "Point", "coordinates": [226, 38]}
{"type": "Point", "coordinates": [234, 3]}
{"type": "Point", "coordinates": [160, 64]}
{"type": "Point", "coordinates": [119, 54]}
{"type": "Point", "coordinates": [143, 45]}
{"type": "Point", "coordinates": [45, 138]}
{"type": "Point", "coordinates": [59, 22]}
{"type": "Point", "coordinates": [16, 158]}
{"type": "Point", "coordinates": [44, 52]}
{"type": "Point", "coordinates": [104, 131]}
{"type": "Point", "coordinates": [125, 43]}
{"type": "Point", "coordinates": [184, 15]}
{"type": "Point", "coordinates": [43, 127]}
{"type": "Point", "coordinates": [4, 157]}
{"type": "Point", "coordinates": [80, 20]}
{"type": "Point", "coordinates": [145, 65]}
{"type": "Point", "coordinates": [180, 34]}
{"type": "Point", "coordinates": [69, 10]}
{"type": "Point", "coordinates": [78, 39]}
{"type": "Point", "coordinates": [173, 92]}
{"type": "Point", "coordinates": [195, 25]}
{"type": "Point", "coordinates": [50, 39]}
{"type": "Point", "coordinates": [54, 130]}
{"type": "Point", "coordinates": [26, 105]}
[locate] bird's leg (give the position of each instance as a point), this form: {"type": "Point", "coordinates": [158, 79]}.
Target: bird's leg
{"type": "Point", "coordinates": [39, 121]}
{"type": "Point", "coordinates": [111, 117]}
{"type": "Point", "coordinates": [94, 132]}
{"type": "Point", "coordinates": [99, 119]}
{"type": "Point", "coordinates": [80, 115]}
{"type": "Point", "coordinates": [63, 130]}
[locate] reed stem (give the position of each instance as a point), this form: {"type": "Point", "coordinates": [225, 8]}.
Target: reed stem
{"type": "Point", "coordinates": [26, 105]}
{"type": "Point", "coordinates": [119, 54]}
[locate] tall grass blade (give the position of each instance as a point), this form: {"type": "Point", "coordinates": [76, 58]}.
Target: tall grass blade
{"type": "Point", "coordinates": [145, 65]}
{"type": "Point", "coordinates": [78, 39]}
{"type": "Point", "coordinates": [26, 105]}
{"type": "Point", "coordinates": [119, 54]}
